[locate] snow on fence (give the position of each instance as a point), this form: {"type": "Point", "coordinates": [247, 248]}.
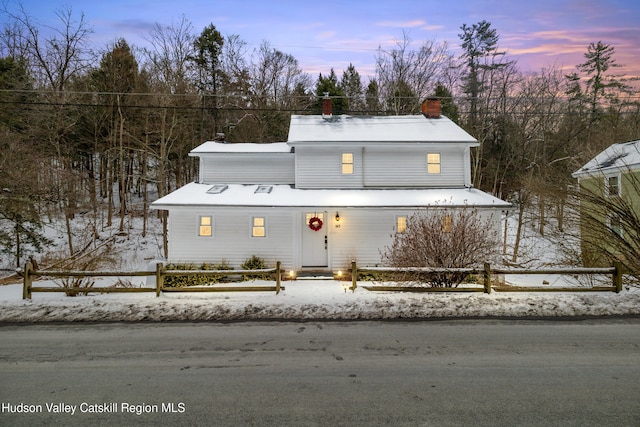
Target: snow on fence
{"type": "Point", "coordinates": [160, 273]}
{"type": "Point", "coordinates": [487, 272]}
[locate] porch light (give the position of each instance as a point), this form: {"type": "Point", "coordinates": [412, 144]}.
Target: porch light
{"type": "Point", "coordinates": [339, 273]}
{"type": "Point", "coordinates": [337, 216]}
{"type": "Point", "coordinates": [292, 274]}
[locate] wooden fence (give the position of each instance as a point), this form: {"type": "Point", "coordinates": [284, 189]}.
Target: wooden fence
{"type": "Point", "coordinates": [487, 274]}
{"type": "Point", "coordinates": [160, 273]}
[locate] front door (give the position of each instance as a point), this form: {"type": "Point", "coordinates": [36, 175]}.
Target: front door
{"type": "Point", "coordinates": [314, 240]}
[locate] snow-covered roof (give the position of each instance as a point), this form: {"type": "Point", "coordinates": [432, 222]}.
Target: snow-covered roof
{"type": "Point", "coordinates": [622, 156]}
{"type": "Point", "coordinates": [195, 194]}
{"type": "Point", "coordinates": [244, 147]}
{"type": "Point", "coordinates": [343, 128]}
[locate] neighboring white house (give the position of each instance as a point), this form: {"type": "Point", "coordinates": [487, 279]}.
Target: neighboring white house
{"type": "Point", "coordinates": [336, 191]}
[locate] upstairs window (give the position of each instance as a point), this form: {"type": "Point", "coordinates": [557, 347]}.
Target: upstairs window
{"type": "Point", "coordinates": [401, 224]}
{"type": "Point", "coordinates": [433, 163]}
{"type": "Point", "coordinates": [258, 228]}
{"type": "Point", "coordinates": [613, 186]}
{"type": "Point", "coordinates": [205, 228]}
{"type": "Point", "coordinates": [347, 163]}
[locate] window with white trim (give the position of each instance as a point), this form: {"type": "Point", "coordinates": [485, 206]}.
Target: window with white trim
{"type": "Point", "coordinates": [615, 224]}
{"type": "Point", "coordinates": [205, 228]}
{"type": "Point", "coordinates": [613, 186]}
{"type": "Point", "coordinates": [347, 163]}
{"type": "Point", "coordinates": [433, 163]}
{"type": "Point", "coordinates": [258, 227]}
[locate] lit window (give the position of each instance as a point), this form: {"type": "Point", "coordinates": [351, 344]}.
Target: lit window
{"type": "Point", "coordinates": [613, 185]}
{"type": "Point", "coordinates": [258, 228]}
{"type": "Point", "coordinates": [205, 228]}
{"type": "Point", "coordinates": [433, 163]}
{"type": "Point", "coordinates": [401, 224]}
{"type": "Point", "coordinates": [447, 223]}
{"type": "Point", "coordinates": [347, 163]}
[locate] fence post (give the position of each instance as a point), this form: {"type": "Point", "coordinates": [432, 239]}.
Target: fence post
{"type": "Point", "coordinates": [617, 276]}
{"type": "Point", "coordinates": [354, 276]}
{"type": "Point", "coordinates": [487, 278]}
{"type": "Point", "coordinates": [159, 277]}
{"type": "Point", "coordinates": [277, 277]}
{"type": "Point", "coordinates": [27, 281]}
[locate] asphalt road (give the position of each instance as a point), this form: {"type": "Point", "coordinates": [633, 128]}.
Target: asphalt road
{"type": "Point", "coordinates": [439, 373]}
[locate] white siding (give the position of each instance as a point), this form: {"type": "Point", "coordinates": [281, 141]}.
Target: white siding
{"type": "Point", "coordinates": [321, 167]}
{"type": "Point", "coordinates": [389, 167]}
{"type": "Point", "coordinates": [264, 168]}
{"type": "Point", "coordinates": [362, 235]}
{"type": "Point", "coordinates": [231, 240]}
{"type": "Point", "coordinates": [380, 167]}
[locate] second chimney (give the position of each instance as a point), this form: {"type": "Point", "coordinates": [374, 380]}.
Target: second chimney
{"type": "Point", "coordinates": [431, 108]}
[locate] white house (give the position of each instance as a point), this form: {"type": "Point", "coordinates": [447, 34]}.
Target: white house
{"type": "Point", "coordinates": [336, 191]}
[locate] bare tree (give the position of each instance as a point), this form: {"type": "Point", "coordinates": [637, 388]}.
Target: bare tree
{"type": "Point", "coordinates": [405, 76]}
{"type": "Point", "coordinates": [445, 238]}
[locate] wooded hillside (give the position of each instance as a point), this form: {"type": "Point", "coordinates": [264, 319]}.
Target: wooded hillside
{"type": "Point", "coordinates": [87, 128]}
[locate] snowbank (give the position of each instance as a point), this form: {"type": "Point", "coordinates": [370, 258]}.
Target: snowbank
{"type": "Point", "coordinates": [306, 300]}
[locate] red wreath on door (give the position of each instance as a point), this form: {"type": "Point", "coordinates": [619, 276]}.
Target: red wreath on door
{"type": "Point", "coordinates": [315, 223]}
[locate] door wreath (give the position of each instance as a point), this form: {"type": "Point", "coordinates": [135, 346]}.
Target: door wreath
{"type": "Point", "coordinates": [315, 223]}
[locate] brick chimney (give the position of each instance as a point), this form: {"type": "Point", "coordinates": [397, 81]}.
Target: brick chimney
{"type": "Point", "coordinates": [326, 106]}
{"type": "Point", "coordinates": [431, 108]}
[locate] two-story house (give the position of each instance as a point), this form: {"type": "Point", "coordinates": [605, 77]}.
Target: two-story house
{"type": "Point", "coordinates": [336, 191]}
{"type": "Point", "coordinates": [609, 198]}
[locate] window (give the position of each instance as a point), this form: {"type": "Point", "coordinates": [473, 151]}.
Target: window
{"type": "Point", "coordinates": [433, 163]}
{"type": "Point", "coordinates": [447, 223]}
{"type": "Point", "coordinates": [217, 189]}
{"type": "Point", "coordinates": [264, 189]}
{"type": "Point", "coordinates": [614, 224]}
{"type": "Point", "coordinates": [613, 186]}
{"type": "Point", "coordinates": [258, 228]}
{"type": "Point", "coordinates": [347, 163]}
{"type": "Point", "coordinates": [205, 229]}
{"type": "Point", "coordinates": [401, 224]}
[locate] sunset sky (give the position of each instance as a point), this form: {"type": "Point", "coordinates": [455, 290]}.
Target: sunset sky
{"type": "Point", "coordinates": [325, 34]}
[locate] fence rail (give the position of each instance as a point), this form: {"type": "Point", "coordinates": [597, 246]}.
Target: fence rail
{"type": "Point", "coordinates": [487, 272]}
{"type": "Point", "coordinates": [29, 274]}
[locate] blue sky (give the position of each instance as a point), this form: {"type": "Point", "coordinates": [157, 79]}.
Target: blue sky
{"type": "Point", "coordinates": [325, 34]}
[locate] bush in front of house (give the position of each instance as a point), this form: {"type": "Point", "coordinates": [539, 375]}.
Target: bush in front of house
{"type": "Point", "coordinates": [254, 263]}
{"type": "Point", "coordinates": [197, 279]}
{"type": "Point", "coordinates": [442, 238]}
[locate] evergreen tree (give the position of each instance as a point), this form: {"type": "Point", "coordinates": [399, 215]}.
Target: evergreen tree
{"type": "Point", "coordinates": [600, 84]}
{"type": "Point", "coordinates": [447, 106]}
{"type": "Point", "coordinates": [479, 42]}
{"type": "Point", "coordinates": [329, 86]}
{"type": "Point", "coordinates": [351, 85]}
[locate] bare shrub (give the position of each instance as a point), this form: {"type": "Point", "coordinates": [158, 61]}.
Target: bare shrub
{"type": "Point", "coordinates": [443, 238]}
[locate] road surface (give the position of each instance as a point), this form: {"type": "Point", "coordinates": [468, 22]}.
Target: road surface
{"type": "Point", "coordinates": [438, 373]}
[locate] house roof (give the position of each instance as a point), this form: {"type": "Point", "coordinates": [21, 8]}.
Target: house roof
{"type": "Point", "coordinates": [196, 195]}
{"type": "Point", "coordinates": [244, 147]}
{"type": "Point", "coordinates": [618, 157]}
{"type": "Point", "coordinates": [346, 129]}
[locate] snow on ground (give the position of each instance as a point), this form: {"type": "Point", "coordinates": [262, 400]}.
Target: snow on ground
{"type": "Point", "coordinates": [304, 299]}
